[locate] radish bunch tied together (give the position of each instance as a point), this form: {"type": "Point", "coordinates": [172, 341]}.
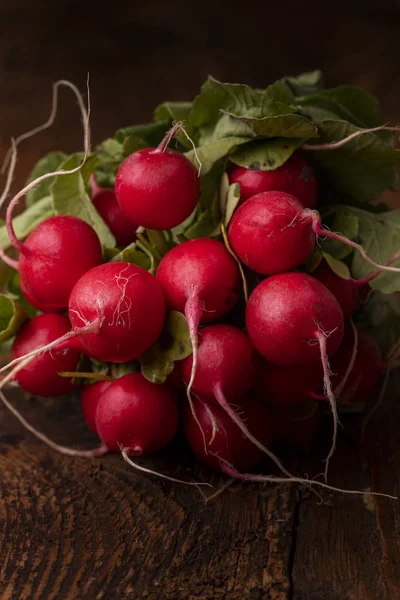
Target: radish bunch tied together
{"type": "Point", "coordinates": [219, 270]}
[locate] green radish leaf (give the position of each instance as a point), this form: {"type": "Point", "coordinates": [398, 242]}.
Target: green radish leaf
{"type": "Point", "coordinates": [27, 221]}
{"type": "Point", "coordinates": [380, 317]}
{"type": "Point", "coordinates": [266, 155]}
{"type": "Point", "coordinates": [378, 233]}
{"type": "Point", "coordinates": [306, 83]}
{"type": "Point", "coordinates": [173, 111]}
{"type": "Point", "coordinates": [362, 169]}
{"type": "Point", "coordinates": [12, 315]}
{"type": "Point", "coordinates": [313, 260]}
{"type": "Point", "coordinates": [15, 293]}
{"type": "Point", "coordinates": [158, 362]}
{"type": "Point", "coordinates": [70, 197]}
{"type": "Point", "coordinates": [337, 266]}
{"type": "Point", "coordinates": [121, 369]}
{"type": "Point", "coordinates": [232, 201]}
{"type": "Point", "coordinates": [223, 191]}
{"type": "Point", "coordinates": [135, 256]}
{"type": "Point", "coordinates": [210, 153]}
{"type": "Point", "coordinates": [110, 154]}
{"type": "Point", "coordinates": [49, 163]}
{"type": "Point", "coordinates": [148, 135]}
{"type": "Point", "coordinates": [348, 103]}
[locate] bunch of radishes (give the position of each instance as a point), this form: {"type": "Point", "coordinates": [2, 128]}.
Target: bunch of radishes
{"type": "Point", "coordinates": [268, 325]}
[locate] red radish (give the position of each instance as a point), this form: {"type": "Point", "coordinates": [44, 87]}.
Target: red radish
{"type": "Point", "coordinates": [287, 314]}
{"type": "Point", "coordinates": [40, 376]}
{"type": "Point", "coordinates": [269, 233]}
{"type": "Point", "coordinates": [122, 228]}
{"type": "Point", "coordinates": [286, 387]}
{"type": "Point", "coordinates": [136, 415]}
{"type": "Point", "coordinates": [295, 177]}
{"type": "Point", "coordinates": [297, 426]}
{"type": "Point", "coordinates": [90, 397]}
{"type": "Point", "coordinates": [201, 279]}
{"type": "Point", "coordinates": [272, 233]}
{"type": "Point", "coordinates": [223, 437]}
{"type": "Point", "coordinates": [52, 259]}
{"type": "Point", "coordinates": [157, 188]}
{"type": "Point", "coordinates": [294, 320]}
{"type": "Point", "coordinates": [226, 364]}
{"type": "Point", "coordinates": [347, 292]}
{"type": "Point", "coordinates": [128, 305]}
{"type": "Point", "coordinates": [226, 369]}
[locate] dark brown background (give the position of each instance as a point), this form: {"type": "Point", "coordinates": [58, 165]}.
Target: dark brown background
{"type": "Point", "coordinates": [77, 529]}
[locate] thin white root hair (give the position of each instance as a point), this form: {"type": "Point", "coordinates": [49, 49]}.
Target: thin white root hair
{"type": "Point", "coordinates": [130, 462]}
{"type": "Point", "coordinates": [193, 312]}
{"type": "Point", "coordinates": [218, 492]}
{"type": "Point", "coordinates": [340, 143]}
{"type": "Point", "coordinates": [93, 328]}
{"type": "Point", "coordinates": [50, 121]}
{"type": "Point", "coordinates": [213, 422]}
{"type": "Point", "coordinates": [86, 128]}
{"type": "Point", "coordinates": [228, 469]}
{"type": "Point", "coordinates": [329, 395]}
{"type": "Point", "coordinates": [339, 389]}
{"type": "Point", "coordinates": [224, 404]}
{"type": "Point", "coordinates": [323, 231]}
{"type": "Point", "coordinates": [96, 452]}
{"type": "Point", "coordinates": [379, 401]}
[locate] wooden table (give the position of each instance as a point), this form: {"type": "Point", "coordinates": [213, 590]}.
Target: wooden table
{"type": "Point", "coordinates": [78, 529]}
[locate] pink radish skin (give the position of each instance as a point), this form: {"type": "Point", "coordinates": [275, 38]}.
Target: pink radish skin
{"type": "Point", "coordinates": [269, 234]}
{"type": "Point", "coordinates": [226, 360]}
{"type": "Point", "coordinates": [127, 303]}
{"type": "Point", "coordinates": [223, 436]}
{"type": "Point", "coordinates": [122, 228]}
{"type": "Point", "coordinates": [285, 315]}
{"type": "Point", "coordinates": [284, 387]}
{"type": "Point", "coordinates": [295, 177]}
{"type": "Point", "coordinates": [157, 188]}
{"type": "Point", "coordinates": [40, 377]}
{"type": "Point", "coordinates": [52, 259]}
{"type": "Point", "coordinates": [90, 397]}
{"type": "Point", "coordinates": [203, 269]}
{"type": "Point", "coordinates": [136, 415]}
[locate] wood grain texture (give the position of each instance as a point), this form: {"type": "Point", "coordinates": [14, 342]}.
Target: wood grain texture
{"type": "Point", "coordinates": [86, 530]}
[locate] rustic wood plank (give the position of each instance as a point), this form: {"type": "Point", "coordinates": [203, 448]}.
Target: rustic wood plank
{"type": "Point", "coordinates": [76, 528]}
{"type": "Point", "coordinates": [349, 548]}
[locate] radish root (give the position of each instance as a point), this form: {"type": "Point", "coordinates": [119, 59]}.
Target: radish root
{"type": "Point", "coordinates": [228, 469]}
{"type": "Point", "coordinates": [321, 336]}
{"type": "Point", "coordinates": [86, 125]}
{"type": "Point", "coordinates": [193, 314]}
{"type": "Point", "coordinates": [224, 404]}
{"type": "Point", "coordinates": [321, 231]}
{"type": "Point", "coordinates": [59, 343]}
{"type": "Point", "coordinates": [346, 376]}
{"type": "Point", "coordinates": [96, 452]}
{"type": "Point", "coordinates": [125, 456]}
